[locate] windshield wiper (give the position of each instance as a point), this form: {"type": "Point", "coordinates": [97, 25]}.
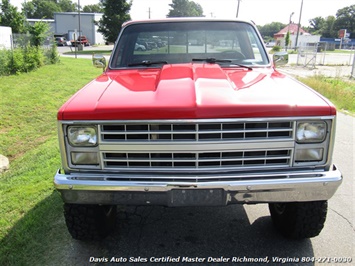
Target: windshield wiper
{"type": "Point", "coordinates": [243, 66]}
{"type": "Point", "coordinates": [211, 60]}
{"type": "Point", "coordinates": [148, 63]}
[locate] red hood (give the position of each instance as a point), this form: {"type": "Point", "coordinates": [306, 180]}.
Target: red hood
{"type": "Point", "coordinates": [193, 91]}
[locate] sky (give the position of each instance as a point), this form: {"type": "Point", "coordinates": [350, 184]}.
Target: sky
{"type": "Point", "coordinates": [260, 11]}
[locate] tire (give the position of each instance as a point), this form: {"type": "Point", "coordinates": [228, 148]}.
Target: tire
{"type": "Point", "coordinates": [89, 222]}
{"type": "Point", "coordinates": [299, 220]}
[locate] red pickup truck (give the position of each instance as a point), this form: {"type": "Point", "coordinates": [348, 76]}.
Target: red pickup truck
{"type": "Point", "coordinates": [81, 40]}
{"type": "Point", "coordinates": [195, 125]}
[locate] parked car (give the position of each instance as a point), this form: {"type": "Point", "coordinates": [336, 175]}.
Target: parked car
{"type": "Point", "coordinates": [61, 41]}
{"type": "Point", "coordinates": [270, 44]}
{"type": "Point", "coordinates": [139, 47]}
{"type": "Point", "coordinates": [207, 125]}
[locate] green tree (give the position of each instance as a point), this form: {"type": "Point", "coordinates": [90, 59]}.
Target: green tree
{"type": "Point", "coordinates": [268, 30]}
{"type": "Point", "coordinates": [10, 17]}
{"type": "Point", "coordinates": [323, 26]}
{"type": "Point", "coordinates": [39, 33]}
{"type": "Point", "coordinates": [67, 5]}
{"type": "Point", "coordinates": [116, 12]}
{"type": "Point", "coordinates": [185, 8]}
{"type": "Point", "coordinates": [287, 39]}
{"type": "Point", "coordinates": [46, 8]}
{"type": "Point", "coordinates": [93, 9]}
{"type": "Point", "coordinates": [317, 25]}
{"type": "Point", "coordinates": [345, 19]}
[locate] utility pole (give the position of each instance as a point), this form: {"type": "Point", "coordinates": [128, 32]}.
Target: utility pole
{"type": "Point", "coordinates": [299, 26]}
{"type": "Point", "coordinates": [79, 17]}
{"type": "Point", "coordinates": [238, 8]}
{"type": "Point", "coordinates": [149, 12]}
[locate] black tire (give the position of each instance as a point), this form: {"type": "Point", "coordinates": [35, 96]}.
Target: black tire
{"type": "Point", "coordinates": [89, 222]}
{"type": "Point", "coordinates": [299, 220]}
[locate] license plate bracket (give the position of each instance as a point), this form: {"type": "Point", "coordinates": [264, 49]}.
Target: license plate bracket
{"type": "Point", "coordinates": [197, 197]}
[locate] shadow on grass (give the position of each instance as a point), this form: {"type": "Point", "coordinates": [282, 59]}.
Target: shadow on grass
{"type": "Point", "coordinates": [37, 237]}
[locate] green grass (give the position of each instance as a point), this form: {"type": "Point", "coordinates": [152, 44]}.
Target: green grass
{"type": "Point", "coordinates": [32, 227]}
{"type": "Point", "coordinates": [89, 52]}
{"type": "Point", "coordinates": [31, 219]}
{"type": "Point", "coordinates": [340, 92]}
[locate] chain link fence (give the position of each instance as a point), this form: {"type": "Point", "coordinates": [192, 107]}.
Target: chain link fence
{"type": "Point", "coordinates": [23, 40]}
{"type": "Point", "coordinates": [322, 54]}
{"type": "Point", "coordinates": [22, 55]}
{"type": "Point", "coordinates": [307, 55]}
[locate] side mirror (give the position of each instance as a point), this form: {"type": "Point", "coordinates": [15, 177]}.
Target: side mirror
{"type": "Point", "coordinates": [99, 61]}
{"type": "Point", "coordinates": [280, 58]}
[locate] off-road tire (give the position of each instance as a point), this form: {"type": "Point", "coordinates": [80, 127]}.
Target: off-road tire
{"type": "Point", "coordinates": [89, 222]}
{"type": "Point", "coordinates": [299, 220]}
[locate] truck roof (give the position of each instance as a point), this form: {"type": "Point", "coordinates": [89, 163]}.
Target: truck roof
{"type": "Point", "coordinates": [184, 19]}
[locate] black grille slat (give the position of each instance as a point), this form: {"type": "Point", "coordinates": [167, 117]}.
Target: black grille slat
{"type": "Point", "coordinates": [194, 131]}
{"type": "Point", "coordinates": [197, 160]}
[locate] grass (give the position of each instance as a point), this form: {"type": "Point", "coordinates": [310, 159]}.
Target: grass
{"type": "Point", "coordinates": [340, 92]}
{"type": "Point", "coordinates": [89, 52]}
{"type": "Point", "coordinates": [31, 211]}
{"type": "Point", "coordinates": [31, 219]}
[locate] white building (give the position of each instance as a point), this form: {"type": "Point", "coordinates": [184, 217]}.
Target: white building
{"type": "Point", "coordinates": [66, 23]}
{"type": "Point", "coordinates": [5, 37]}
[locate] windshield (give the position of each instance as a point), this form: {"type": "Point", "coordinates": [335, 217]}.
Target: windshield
{"type": "Point", "coordinates": [156, 44]}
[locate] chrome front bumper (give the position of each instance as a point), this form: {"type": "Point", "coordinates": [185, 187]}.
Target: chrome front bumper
{"type": "Point", "coordinates": [87, 188]}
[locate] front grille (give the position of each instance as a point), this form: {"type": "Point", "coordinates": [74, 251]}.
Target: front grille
{"type": "Point", "coordinates": [193, 132]}
{"type": "Point", "coordinates": [187, 161]}
{"type": "Point", "coordinates": [196, 146]}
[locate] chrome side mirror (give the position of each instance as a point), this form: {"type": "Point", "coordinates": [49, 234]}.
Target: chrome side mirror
{"type": "Point", "coordinates": [99, 61]}
{"type": "Point", "coordinates": [280, 58]}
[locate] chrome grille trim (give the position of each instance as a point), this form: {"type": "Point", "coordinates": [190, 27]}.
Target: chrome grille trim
{"type": "Point", "coordinates": [197, 145]}
{"type": "Point", "coordinates": [196, 131]}
{"type": "Point", "coordinates": [196, 161]}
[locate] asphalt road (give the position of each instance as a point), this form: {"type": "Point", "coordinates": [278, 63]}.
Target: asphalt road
{"type": "Point", "coordinates": [234, 232]}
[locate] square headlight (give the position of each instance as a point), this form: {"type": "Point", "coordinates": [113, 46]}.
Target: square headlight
{"type": "Point", "coordinates": [311, 132]}
{"type": "Point", "coordinates": [82, 136]}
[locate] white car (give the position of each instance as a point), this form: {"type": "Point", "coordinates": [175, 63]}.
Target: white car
{"type": "Point", "coordinates": [139, 47]}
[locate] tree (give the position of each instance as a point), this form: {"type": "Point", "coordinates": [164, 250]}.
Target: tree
{"type": "Point", "coordinates": [10, 17]}
{"type": "Point", "coordinates": [39, 32]}
{"type": "Point", "coordinates": [317, 24]}
{"type": "Point", "coordinates": [268, 30]}
{"type": "Point", "coordinates": [67, 5]}
{"type": "Point", "coordinates": [345, 19]}
{"type": "Point", "coordinates": [46, 8]}
{"type": "Point", "coordinates": [93, 9]}
{"type": "Point", "coordinates": [287, 39]}
{"type": "Point", "coordinates": [324, 27]}
{"type": "Point", "coordinates": [329, 27]}
{"type": "Point", "coordinates": [185, 8]}
{"type": "Point", "coordinates": [116, 12]}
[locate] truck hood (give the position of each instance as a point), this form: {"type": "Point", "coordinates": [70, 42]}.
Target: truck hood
{"type": "Point", "coordinates": [193, 91]}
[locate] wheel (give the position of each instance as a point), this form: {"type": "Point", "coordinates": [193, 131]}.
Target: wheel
{"type": "Point", "coordinates": [298, 220]}
{"type": "Point", "coordinates": [89, 222]}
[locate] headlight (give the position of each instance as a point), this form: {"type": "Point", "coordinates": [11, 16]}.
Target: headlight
{"type": "Point", "coordinates": [84, 158]}
{"type": "Point", "coordinates": [309, 155]}
{"type": "Point", "coordinates": [82, 136]}
{"type": "Point", "coordinates": [311, 132]}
